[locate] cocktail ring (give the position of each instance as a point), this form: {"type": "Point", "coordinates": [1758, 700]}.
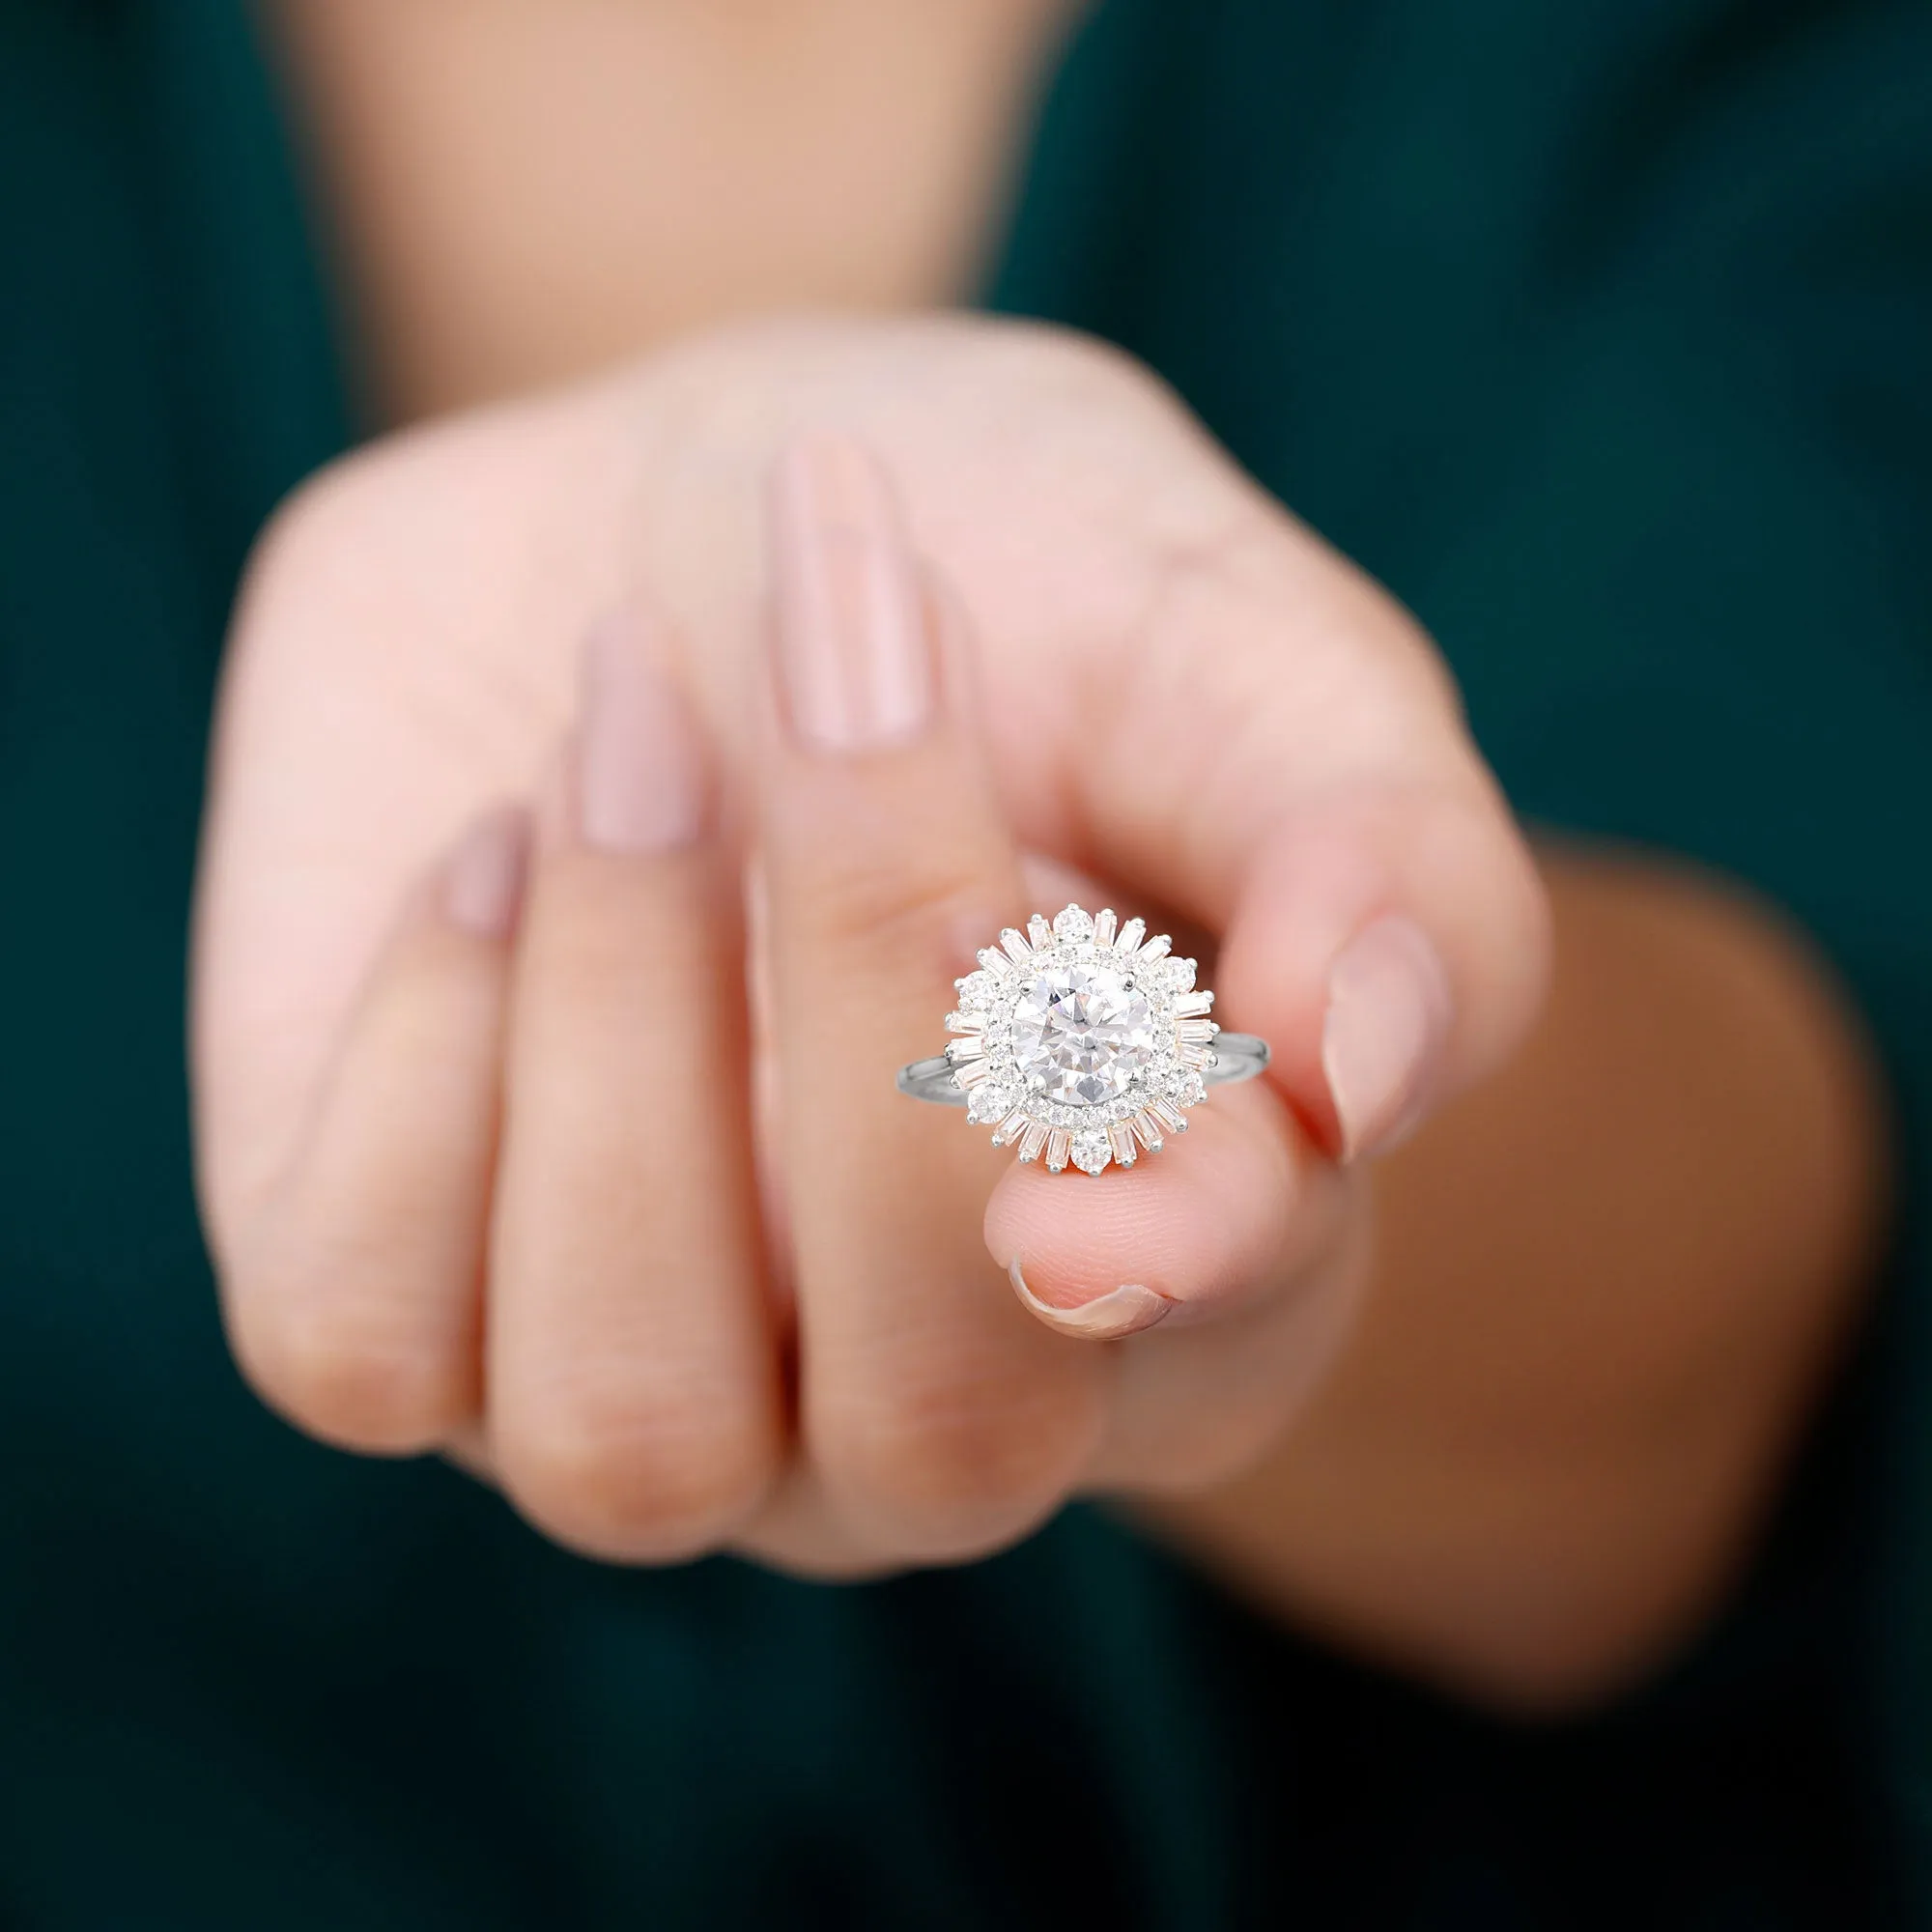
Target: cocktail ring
{"type": "Point", "coordinates": [1083, 1041]}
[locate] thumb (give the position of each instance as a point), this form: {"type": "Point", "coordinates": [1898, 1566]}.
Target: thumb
{"type": "Point", "coordinates": [1391, 943]}
{"type": "Point", "coordinates": [1305, 785]}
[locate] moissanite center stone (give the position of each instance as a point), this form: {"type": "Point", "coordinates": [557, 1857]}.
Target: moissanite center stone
{"type": "Point", "coordinates": [1081, 1032]}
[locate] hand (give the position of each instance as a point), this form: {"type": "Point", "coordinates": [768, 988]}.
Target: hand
{"type": "Point", "coordinates": [487, 1175]}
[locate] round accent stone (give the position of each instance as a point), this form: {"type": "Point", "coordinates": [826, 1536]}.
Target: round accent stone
{"type": "Point", "coordinates": [1091, 1151]}
{"type": "Point", "coordinates": [978, 991]}
{"type": "Point", "coordinates": [1082, 1031]}
{"type": "Point", "coordinates": [991, 1100]}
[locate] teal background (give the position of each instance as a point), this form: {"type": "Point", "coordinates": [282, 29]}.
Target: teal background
{"type": "Point", "coordinates": [1601, 333]}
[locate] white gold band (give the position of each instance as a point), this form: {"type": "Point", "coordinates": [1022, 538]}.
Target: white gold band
{"type": "Point", "coordinates": [1237, 1056]}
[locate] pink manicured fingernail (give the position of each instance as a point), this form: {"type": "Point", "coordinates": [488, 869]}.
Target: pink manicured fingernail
{"type": "Point", "coordinates": [854, 658]}
{"type": "Point", "coordinates": [1389, 1010]}
{"type": "Point", "coordinates": [642, 777]}
{"type": "Point", "coordinates": [483, 880]}
{"type": "Point", "coordinates": [1121, 1311]}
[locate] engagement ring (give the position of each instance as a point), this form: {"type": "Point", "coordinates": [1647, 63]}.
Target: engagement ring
{"type": "Point", "coordinates": [1082, 1041]}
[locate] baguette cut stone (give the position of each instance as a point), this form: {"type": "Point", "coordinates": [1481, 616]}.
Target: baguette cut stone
{"type": "Point", "coordinates": [1082, 1032]}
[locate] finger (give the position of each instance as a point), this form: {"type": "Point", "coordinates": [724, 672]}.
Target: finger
{"type": "Point", "coordinates": [633, 1397]}
{"type": "Point", "coordinates": [1308, 789]}
{"type": "Point", "coordinates": [1197, 1405]}
{"type": "Point", "coordinates": [1175, 1240]}
{"type": "Point", "coordinates": [943, 1418]}
{"type": "Point", "coordinates": [1235, 1249]}
{"type": "Point", "coordinates": [352, 1300]}
{"type": "Point", "coordinates": [800, 1530]}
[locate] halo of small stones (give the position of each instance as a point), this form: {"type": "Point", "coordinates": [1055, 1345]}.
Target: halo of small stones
{"type": "Point", "coordinates": [1116, 1131]}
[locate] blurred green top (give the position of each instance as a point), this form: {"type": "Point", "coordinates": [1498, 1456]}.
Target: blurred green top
{"type": "Point", "coordinates": [1603, 332]}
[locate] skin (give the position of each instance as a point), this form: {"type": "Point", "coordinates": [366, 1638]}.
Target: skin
{"type": "Point", "coordinates": [1572, 1328]}
{"type": "Point", "coordinates": [852, 154]}
{"type": "Point", "coordinates": [1608, 1286]}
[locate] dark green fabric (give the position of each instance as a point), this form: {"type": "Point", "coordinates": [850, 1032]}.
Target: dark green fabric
{"type": "Point", "coordinates": [1598, 331]}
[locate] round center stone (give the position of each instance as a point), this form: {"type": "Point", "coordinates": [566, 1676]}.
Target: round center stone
{"type": "Point", "coordinates": [1081, 1032]}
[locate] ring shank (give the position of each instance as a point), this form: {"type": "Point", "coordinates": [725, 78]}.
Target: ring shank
{"type": "Point", "coordinates": [1238, 1055]}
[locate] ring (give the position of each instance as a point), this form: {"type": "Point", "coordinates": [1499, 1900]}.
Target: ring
{"type": "Point", "coordinates": [1082, 1041]}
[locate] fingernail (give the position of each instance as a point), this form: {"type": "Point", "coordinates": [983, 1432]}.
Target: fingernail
{"type": "Point", "coordinates": [854, 659]}
{"type": "Point", "coordinates": [642, 777]}
{"type": "Point", "coordinates": [1387, 1027]}
{"type": "Point", "coordinates": [1121, 1311]}
{"type": "Point", "coordinates": [483, 879]}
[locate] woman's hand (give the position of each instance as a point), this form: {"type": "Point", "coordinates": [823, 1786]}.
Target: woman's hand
{"type": "Point", "coordinates": [491, 1175]}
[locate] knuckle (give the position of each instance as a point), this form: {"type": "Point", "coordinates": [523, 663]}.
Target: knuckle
{"type": "Point", "coordinates": [339, 1350]}
{"type": "Point", "coordinates": [297, 556]}
{"type": "Point", "coordinates": [584, 946]}
{"type": "Point", "coordinates": [907, 914]}
{"type": "Point", "coordinates": [954, 1466]}
{"type": "Point", "coordinates": [611, 1477]}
